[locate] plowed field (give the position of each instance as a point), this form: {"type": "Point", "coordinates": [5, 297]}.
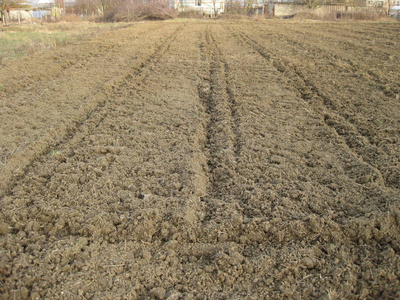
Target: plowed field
{"type": "Point", "coordinates": [204, 160]}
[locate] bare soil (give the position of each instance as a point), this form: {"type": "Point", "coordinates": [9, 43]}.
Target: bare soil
{"type": "Point", "coordinates": [204, 160]}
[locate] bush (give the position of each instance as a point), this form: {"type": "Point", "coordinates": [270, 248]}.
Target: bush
{"type": "Point", "coordinates": [138, 12]}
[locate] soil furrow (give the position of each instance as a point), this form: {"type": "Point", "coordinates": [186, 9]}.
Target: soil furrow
{"type": "Point", "coordinates": [98, 102]}
{"type": "Point", "coordinates": [230, 91]}
{"type": "Point", "coordinates": [58, 154]}
{"type": "Point", "coordinates": [222, 146]}
{"type": "Point", "coordinates": [376, 37]}
{"type": "Point", "coordinates": [124, 166]}
{"type": "Point", "coordinates": [328, 53]}
{"type": "Point", "coordinates": [371, 33]}
{"type": "Point", "coordinates": [80, 87]}
{"type": "Point", "coordinates": [381, 79]}
{"type": "Point", "coordinates": [355, 140]}
{"type": "Point", "coordinates": [64, 62]}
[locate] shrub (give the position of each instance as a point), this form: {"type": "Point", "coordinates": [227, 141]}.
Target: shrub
{"type": "Point", "coordinates": [137, 12]}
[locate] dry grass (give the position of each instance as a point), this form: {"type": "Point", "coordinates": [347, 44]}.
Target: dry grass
{"type": "Point", "coordinates": [18, 41]}
{"type": "Point", "coordinates": [257, 17]}
{"type": "Point", "coordinates": [139, 12]}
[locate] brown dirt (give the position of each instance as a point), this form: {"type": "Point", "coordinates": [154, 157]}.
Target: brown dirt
{"type": "Point", "coordinates": [205, 160]}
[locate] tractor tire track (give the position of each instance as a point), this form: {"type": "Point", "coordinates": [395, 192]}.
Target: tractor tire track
{"type": "Point", "coordinates": [226, 200]}
{"type": "Point", "coordinates": [220, 141]}
{"type": "Point", "coordinates": [223, 143]}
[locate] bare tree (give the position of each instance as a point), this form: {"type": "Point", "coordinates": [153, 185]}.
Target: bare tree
{"type": "Point", "coordinates": [389, 4]}
{"type": "Point", "coordinates": [5, 6]}
{"type": "Point", "coordinates": [87, 7]}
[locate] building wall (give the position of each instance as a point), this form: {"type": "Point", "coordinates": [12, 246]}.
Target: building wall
{"type": "Point", "coordinates": [21, 14]}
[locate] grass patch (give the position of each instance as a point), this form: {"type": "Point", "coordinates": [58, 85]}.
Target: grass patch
{"type": "Point", "coordinates": [18, 41]}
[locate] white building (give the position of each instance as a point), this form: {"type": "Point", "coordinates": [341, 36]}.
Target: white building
{"type": "Point", "coordinates": [395, 12]}
{"type": "Point", "coordinates": [206, 7]}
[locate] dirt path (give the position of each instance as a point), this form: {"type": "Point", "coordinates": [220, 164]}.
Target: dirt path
{"type": "Point", "coordinates": [202, 160]}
